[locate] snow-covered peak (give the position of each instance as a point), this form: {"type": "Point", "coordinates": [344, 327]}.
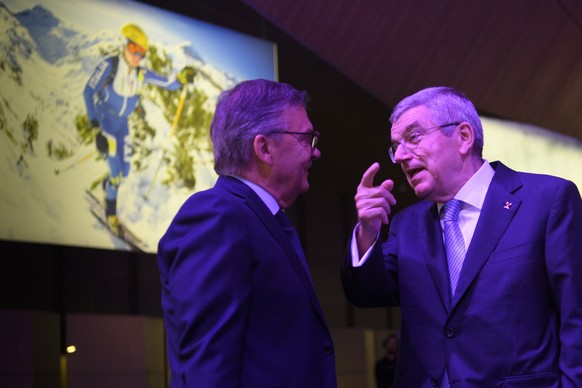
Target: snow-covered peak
{"type": "Point", "coordinates": [51, 36]}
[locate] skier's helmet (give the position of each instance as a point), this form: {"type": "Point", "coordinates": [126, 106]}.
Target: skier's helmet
{"type": "Point", "coordinates": [135, 34]}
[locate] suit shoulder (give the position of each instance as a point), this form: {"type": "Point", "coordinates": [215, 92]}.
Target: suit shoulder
{"type": "Point", "coordinates": [214, 200]}
{"type": "Point", "coordinates": [546, 182]}
{"type": "Point", "coordinates": [530, 181]}
{"type": "Point", "coordinates": [208, 212]}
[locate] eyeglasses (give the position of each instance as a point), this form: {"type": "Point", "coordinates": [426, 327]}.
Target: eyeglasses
{"type": "Point", "coordinates": [314, 136]}
{"type": "Point", "coordinates": [136, 49]}
{"type": "Point", "coordinates": [412, 139]}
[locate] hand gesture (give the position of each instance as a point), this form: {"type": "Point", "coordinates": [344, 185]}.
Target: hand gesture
{"type": "Point", "coordinates": [373, 204]}
{"type": "Point", "coordinates": [186, 75]}
{"type": "Point", "coordinates": [102, 143]}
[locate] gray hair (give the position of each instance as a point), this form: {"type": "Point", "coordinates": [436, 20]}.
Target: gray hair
{"type": "Point", "coordinates": [248, 109]}
{"type": "Point", "coordinates": [445, 105]}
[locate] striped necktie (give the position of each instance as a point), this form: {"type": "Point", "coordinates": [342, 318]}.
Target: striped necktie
{"type": "Point", "coordinates": [454, 243]}
{"type": "Point", "coordinates": [455, 248]}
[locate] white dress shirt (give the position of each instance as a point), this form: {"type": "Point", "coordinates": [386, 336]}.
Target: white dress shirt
{"type": "Point", "coordinates": [472, 194]}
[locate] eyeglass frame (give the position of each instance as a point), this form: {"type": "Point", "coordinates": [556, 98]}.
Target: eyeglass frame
{"type": "Point", "coordinates": [314, 136]}
{"type": "Point", "coordinates": [407, 144]}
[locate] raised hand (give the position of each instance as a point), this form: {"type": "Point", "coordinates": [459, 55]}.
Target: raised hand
{"type": "Point", "coordinates": [186, 75]}
{"type": "Point", "coordinates": [373, 204]}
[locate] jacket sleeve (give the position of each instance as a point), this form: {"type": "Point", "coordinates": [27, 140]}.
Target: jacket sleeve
{"type": "Point", "coordinates": [374, 284]}
{"type": "Point", "coordinates": [170, 83]}
{"type": "Point", "coordinates": [206, 271]}
{"type": "Point", "coordinates": [564, 265]}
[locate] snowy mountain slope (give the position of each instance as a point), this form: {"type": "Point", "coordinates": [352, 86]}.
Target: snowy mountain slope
{"type": "Point", "coordinates": [44, 65]}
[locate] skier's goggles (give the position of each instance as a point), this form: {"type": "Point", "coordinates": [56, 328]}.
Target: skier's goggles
{"type": "Point", "coordinates": [136, 49]}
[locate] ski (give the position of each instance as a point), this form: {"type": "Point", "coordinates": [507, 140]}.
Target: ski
{"type": "Point", "coordinates": [98, 210]}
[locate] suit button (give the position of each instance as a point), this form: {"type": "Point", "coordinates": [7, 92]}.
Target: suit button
{"type": "Point", "coordinates": [451, 332]}
{"type": "Point", "coordinates": [434, 382]}
{"type": "Point", "coordinates": [328, 350]}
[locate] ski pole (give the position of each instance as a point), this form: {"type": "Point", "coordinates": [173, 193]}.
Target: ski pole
{"type": "Point", "coordinates": [178, 112]}
{"type": "Point", "coordinates": [75, 163]}
{"type": "Point", "coordinates": [172, 131]}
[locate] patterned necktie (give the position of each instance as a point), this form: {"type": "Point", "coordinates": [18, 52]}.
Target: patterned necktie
{"type": "Point", "coordinates": [445, 382]}
{"type": "Point", "coordinates": [454, 244]}
{"type": "Point", "coordinates": [292, 234]}
{"type": "Point", "coordinates": [455, 247]}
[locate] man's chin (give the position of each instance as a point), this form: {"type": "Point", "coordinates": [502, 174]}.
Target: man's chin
{"type": "Point", "coordinates": [421, 192]}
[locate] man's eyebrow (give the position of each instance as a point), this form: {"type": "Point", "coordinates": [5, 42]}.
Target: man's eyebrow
{"type": "Point", "coordinates": [409, 128]}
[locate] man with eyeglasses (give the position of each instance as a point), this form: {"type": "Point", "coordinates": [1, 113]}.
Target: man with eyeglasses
{"type": "Point", "coordinates": [486, 268]}
{"type": "Point", "coordinates": [239, 305]}
{"type": "Point", "coordinates": [111, 95]}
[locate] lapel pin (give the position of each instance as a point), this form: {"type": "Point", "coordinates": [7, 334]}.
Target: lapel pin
{"type": "Point", "coordinates": [507, 205]}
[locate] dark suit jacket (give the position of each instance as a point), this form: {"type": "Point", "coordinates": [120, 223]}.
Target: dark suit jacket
{"type": "Point", "coordinates": [239, 308]}
{"type": "Point", "coordinates": [516, 317]}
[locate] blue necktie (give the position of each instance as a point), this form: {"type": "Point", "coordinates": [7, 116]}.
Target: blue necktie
{"type": "Point", "coordinates": [292, 234]}
{"type": "Point", "coordinates": [445, 383]}
{"type": "Point", "coordinates": [455, 248]}
{"type": "Point", "coordinates": [454, 243]}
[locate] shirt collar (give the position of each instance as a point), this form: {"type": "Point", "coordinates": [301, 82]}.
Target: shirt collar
{"type": "Point", "coordinates": [474, 190]}
{"type": "Point", "coordinates": [267, 198]}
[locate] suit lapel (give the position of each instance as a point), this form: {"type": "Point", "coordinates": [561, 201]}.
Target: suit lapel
{"type": "Point", "coordinates": [281, 237]}
{"type": "Point", "coordinates": [498, 210]}
{"type": "Point", "coordinates": [272, 225]}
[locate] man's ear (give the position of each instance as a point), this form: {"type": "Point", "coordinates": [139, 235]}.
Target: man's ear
{"type": "Point", "coordinates": [262, 149]}
{"type": "Point", "coordinates": [466, 138]}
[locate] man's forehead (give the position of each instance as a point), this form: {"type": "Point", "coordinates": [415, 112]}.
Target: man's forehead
{"type": "Point", "coordinates": [418, 113]}
{"type": "Point", "coordinates": [403, 126]}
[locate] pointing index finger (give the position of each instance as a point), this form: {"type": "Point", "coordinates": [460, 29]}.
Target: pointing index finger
{"type": "Point", "coordinates": [368, 177]}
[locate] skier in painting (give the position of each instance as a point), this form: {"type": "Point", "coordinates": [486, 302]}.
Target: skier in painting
{"type": "Point", "coordinates": [111, 95]}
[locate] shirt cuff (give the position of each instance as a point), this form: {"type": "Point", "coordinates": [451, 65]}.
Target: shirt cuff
{"type": "Point", "coordinates": [356, 260]}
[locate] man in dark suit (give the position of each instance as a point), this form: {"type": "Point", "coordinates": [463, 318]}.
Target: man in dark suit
{"type": "Point", "coordinates": [239, 306]}
{"type": "Point", "coordinates": [489, 297]}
